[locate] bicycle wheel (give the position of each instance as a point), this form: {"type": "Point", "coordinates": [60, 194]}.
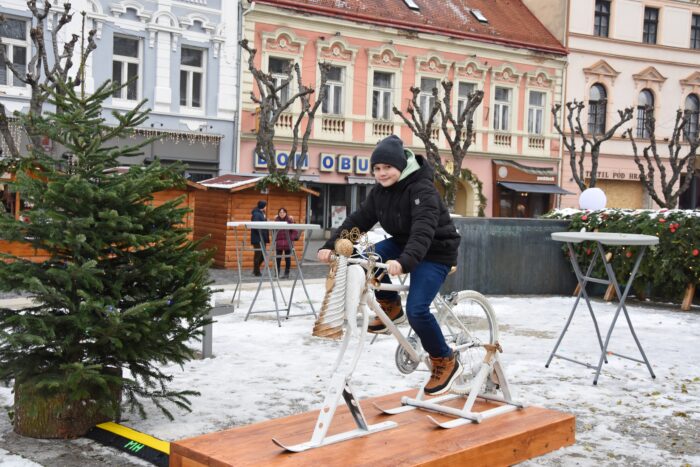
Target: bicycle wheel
{"type": "Point", "coordinates": [469, 322]}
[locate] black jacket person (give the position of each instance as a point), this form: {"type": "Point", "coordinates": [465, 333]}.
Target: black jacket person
{"type": "Point", "coordinates": [423, 242]}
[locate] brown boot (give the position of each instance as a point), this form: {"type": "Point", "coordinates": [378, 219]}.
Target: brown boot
{"type": "Point", "coordinates": [393, 309]}
{"type": "Point", "coordinates": [444, 372]}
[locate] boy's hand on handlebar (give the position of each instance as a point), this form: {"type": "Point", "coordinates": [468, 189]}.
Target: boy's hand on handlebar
{"type": "Point", "coordinates": [324, 255]}
{"type": "Point", "coordinates": [394, 268]}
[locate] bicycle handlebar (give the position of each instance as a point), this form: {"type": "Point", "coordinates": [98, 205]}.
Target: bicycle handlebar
{"type": "Point", "coordinates": [362, 262]}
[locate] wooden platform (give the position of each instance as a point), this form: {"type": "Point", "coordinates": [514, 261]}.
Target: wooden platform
{"type": "Point", "coordinates": [503, 440]}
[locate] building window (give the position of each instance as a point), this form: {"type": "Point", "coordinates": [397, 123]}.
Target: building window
{"type": "Point", "coordinates": [597, 102]}
{"type": "Point", "coordinates": [695, 32]}
{"type": "Point", "coordinates": [333, 104]}
{"type": "Point", "coordinates": [601, 26]}
{"type": "Point", "coordinates": [192, 78]}
{"type": "Point", "coordinates": [14, 38]}
{"type": "Point", "coordinates": [126, 62]}
{"type": "Point", "coordinates": [463, 92]}
{"type": "Point", "coordinates": [382, 95]}
{"type": "Point", "coordinates": [645, 109]}
{"type": "Point", "coordinates": [535, 113]}
{"type": "Point", "coordinates": [501, 109]}
{"type": "Point", "coordinates": [426, 100]}
{"type": "Point", "coordinates": [692, 108]}
{"type": "Point", "coordinates": [279, 69]}
{"type": "Point", "coordinates": [651, 25]}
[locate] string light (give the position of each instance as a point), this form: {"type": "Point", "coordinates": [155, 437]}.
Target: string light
{"type": "Point", "coordinates": [174, 136]}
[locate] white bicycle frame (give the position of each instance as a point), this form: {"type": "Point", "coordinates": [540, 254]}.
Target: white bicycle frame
{"type": "Point", "coordinates": [359, 297]}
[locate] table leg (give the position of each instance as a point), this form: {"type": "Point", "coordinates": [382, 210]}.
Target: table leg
{"type": "Point", "coordinates": [582, 282]}
{"type": "Point", "coordinates": [300, 275]}
{"type": "Point", "coordinates": [622, 297]}
{"type": "Point", "coordinates": [263, 249]}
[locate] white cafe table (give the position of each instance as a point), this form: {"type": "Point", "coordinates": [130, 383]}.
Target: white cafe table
{"type": "Point", "coordinates": [269, 272]}
{"type": "Point", "coordinates": [601, 241]}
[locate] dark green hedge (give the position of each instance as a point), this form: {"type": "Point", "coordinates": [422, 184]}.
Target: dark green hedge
{"type": "Point", "coordinates": [668, 268]}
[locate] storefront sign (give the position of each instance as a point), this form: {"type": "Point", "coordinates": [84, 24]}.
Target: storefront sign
{"type": "Point", "coordinates": [282, 159]}
{"type": "Point", "coordinates": [344, 164]}
{"type": "Point", "coordinates": [361, 165]}
{"type": "Point", "coordinates": [616, 175]}
{"type": "Point", "coordinates": [327, 163]}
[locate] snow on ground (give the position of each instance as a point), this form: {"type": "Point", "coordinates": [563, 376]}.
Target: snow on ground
{"type": "Point", "coordinates": [10, 460]}
{"type": "Point", "coordinates": [262, 371]}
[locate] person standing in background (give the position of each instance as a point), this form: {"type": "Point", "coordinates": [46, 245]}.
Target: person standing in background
{"type": "Point", "coordinates": [283, 241]}
{"type": "Point", "coordinates": [259, 237]}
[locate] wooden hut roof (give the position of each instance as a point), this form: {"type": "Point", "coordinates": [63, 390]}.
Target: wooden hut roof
{"type": "Point", "coordinates": [235, 182]}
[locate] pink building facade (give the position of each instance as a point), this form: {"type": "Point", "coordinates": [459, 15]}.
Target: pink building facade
{"type": "Point", "coordinates": [377, 59]}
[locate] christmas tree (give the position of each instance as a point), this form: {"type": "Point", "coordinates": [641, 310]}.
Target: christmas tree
{"type": "Point", "coordinates": [123, 289]}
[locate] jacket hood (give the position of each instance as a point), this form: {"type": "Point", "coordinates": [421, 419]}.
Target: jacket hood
{"type": "Point", "coordinates": [424, 171]}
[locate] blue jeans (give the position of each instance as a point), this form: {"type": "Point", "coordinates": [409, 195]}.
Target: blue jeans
{"type": "Point", "coordinates": [426, 280]}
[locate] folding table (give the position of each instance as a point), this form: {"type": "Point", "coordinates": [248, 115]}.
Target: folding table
{"type": "Point", "coordinates": [268, 252]}
{"type": "Point", "coordinates": [602, 240]}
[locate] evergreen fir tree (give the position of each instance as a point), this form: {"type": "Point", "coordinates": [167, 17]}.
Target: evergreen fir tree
{"type": "Point", "coordinates": [123, 289]}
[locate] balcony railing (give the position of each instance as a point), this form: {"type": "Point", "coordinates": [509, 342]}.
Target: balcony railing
{"type": "Point", "coordinates": [464, 135]}
{"type": "Point", "coordinates": [435, 134]}
{"type": "Point", "coordinates": [502, 140]}
{"type": "Point", "coordinates": [535, 142]}
{"type": "Point", "coordinates": [285, 122]}
{"type": "Point", "coordinates": [382, 129]}
{"type": "Point", "coordinates": [333, 125]}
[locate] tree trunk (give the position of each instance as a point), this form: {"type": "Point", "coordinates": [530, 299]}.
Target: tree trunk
{"type": "Point", "coordinates": [56, 416]}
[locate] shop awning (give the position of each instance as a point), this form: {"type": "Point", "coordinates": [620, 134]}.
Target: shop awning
{"type": "Point", "coordinates": [535, 188]}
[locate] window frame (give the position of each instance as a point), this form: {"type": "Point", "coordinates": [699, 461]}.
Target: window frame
{"type": "Point", "coordinates": [383, 91]}
{"type": "Point", "coordinates": [462, 100]}
{"type": "Point", "coordinates": [541, 112]}
{"type": "Point", "coordinates": [278, 77]}
{"type": "Point", "coordinates": [426, 97]}
{"type": "Point", "coordinates": [125, 61]}
{"type": "Point", "coordinates": [601, 15]}
{"type": "Point", "coordinates": [595, 126]}
{"type": "Point", "coordinates": [327, 107]}
{"type": "Point", "coordinates": [642, 114]}
{"type": "Point", "coordinates": [693, 124]}
{"type": "Point", "coordinates": [647, 37]}
{"type": "Point", "coordinates": [499, 106]}
{"type": "Point", "coordinates": [190, 70]}
{"type": "Point", "coordinates": [10, 45]}
{"type": "Point", "coordinates": [695, 32]}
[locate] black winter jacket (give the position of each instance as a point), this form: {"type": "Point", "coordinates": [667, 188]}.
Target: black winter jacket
{"type": "Point", "coordinates": [412, 211]}
{"type": "Point", "coordinates": [255, 234]}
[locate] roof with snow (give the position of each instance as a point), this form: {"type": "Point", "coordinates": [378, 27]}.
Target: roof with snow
{"type": "Point", "coordinates": [508, 22]}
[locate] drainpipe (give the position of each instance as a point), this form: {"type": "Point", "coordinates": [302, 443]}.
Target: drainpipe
{"type": "Point", "coordinates": [237, 123]}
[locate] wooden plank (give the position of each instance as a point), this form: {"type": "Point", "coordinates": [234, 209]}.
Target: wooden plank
{"type": "Point", "coordinates": [503, 440]}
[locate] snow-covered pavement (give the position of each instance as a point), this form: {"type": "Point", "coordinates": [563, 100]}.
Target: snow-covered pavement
{"type": "Point", "coordinates": [261, 371]}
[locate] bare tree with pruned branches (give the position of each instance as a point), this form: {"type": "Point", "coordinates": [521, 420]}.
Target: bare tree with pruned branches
{"type": "Point", "coordinates": [40, 74]}
{"type": "Point", "coordinates": [459, 133]}
{"type": "Point", "coordinates": [271, 108]}
{"type": "Point", "coordinates": [588, 142]}
{"type": "Point", "coordinates": [668, 198]}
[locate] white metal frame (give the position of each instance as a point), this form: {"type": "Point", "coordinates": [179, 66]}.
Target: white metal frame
{"type": "Point", "coordinates": [353, 293]}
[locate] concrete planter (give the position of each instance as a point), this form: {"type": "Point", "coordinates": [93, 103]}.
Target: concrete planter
{"type": "Point", "coordinates": [511, 256]}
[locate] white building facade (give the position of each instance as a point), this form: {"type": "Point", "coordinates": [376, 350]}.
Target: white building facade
{"type": "Point", "coordinates": [181, 55]}
{"type": "Point", "coordinates": [632, 53]}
